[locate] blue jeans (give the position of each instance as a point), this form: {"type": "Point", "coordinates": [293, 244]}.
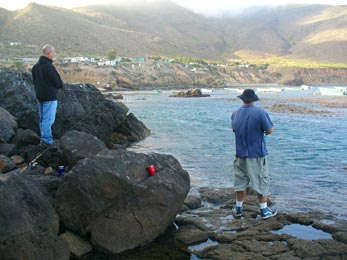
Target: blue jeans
{"type": "Point", "coordinates": [47, 117]}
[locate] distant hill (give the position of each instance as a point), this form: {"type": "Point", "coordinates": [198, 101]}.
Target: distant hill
{"type": "Point", "coordinates": [309, 32]}
{"type": "Point", "coordinates": [312, 32]}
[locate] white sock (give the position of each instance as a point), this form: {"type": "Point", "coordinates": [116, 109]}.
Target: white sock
{"type": "Point", "coordinates": [239, 203]}
{"type": "Point", "coordinates": [263, 205]}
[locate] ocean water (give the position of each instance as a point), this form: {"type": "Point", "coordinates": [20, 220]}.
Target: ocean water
{"type": "Point", "coordinates": [307, 152]}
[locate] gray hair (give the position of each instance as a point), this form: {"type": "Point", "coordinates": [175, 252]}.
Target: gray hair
{"type": "Point", "coordinates": [47, 49]}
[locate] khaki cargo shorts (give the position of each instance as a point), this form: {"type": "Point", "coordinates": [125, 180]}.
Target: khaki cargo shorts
{"type": "Point", "coordinates": [253, 173]}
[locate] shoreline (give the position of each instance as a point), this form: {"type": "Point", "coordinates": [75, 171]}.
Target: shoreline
{"type": "Point", "coordinates": [306, 150]}
{"type": "Point", "coordinates": [206, 229]}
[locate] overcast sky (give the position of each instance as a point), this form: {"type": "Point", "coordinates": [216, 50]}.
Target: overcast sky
{"type": "Point", "coordinates": [202, 6]}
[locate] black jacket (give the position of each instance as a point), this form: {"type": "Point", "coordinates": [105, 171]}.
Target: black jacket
{"type": "Point", "coordinates": [46, 80]}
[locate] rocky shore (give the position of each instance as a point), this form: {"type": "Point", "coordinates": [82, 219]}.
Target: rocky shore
{"type": "Point", "coordinates": [107, 206]}
{"type": "Point", "coordinates": [206, 229]}
{"type": "Point", "coordinates": [106, 201]}
{"type": "Point", "coordinates": [310, 235]}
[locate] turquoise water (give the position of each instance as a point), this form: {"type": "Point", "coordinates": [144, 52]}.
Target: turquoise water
{"type": "Point", "coordinates": [307, 151]}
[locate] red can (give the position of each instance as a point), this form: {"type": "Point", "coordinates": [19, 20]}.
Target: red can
{"type": "Point", "coordinates": [151, 170]}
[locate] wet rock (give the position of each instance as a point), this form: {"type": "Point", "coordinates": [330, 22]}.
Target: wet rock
{"type": "Point", "coordinates": [191, 221]}
{"type": "Point", "coordinates": [301, 218]}
{"type": "Point", "coordinates": [286, 256]}
{"type": "Point", "coordinates": [190, 235]}
{"type": "Point", "coordinates": [6, 164]}
{"type": "Point", "coordinates": [250, 237]}
{"type": "Point", "coordinates": [128, 208]}
{"type": "Point", "coordinates": [8, 125]}
{"type": "Point", "coordinates": [318, 249]}
{"type": "Point", "coordinates": [29, 224]}
{"type": "Point", "coordinates": [78, 245]}
{"type": "Point", "coordinates": [229, 252]}
{"type": "Point", "coordinates": [266, 248]}
{"type": "Point", "coordinates": [216, 195]}
{"type": "Point", "coordinates": [193, 202]}
{"type": "Point", "coordinates": [341, 237]}
{"type": "Point", "coordinates": [25, 137]}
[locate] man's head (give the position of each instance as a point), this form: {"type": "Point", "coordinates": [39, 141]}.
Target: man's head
{"type": "Point", "coordinates": [248, 96]}
{"type": "Point", "coordinates": [48, 51]}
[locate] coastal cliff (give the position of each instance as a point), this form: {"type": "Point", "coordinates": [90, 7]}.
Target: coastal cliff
{"type": "Point", "coordinates": [152, 74]}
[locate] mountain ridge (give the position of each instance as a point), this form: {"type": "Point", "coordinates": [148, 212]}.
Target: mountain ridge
{"type": "Point", "coordinates": [308, 32]}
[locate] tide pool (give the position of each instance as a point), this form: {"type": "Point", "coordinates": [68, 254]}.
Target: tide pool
{"type": "Point", "coordinates": [307, 152]}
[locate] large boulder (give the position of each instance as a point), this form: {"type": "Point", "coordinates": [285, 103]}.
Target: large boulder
{"type": "Point", "coordinates": [77, 145]}
{"type": "Point", "coordinates": [112, 198]}
{"type": "Point", "coordinates": [29, 224]}
{"type": "Point", "coordinates": [17, 96]}
{"type": "Point", "coordinates": [67, 151]}
{"type": "Point", "coordinates": [8, 125]}
{"type": "Point", "coordinates": [80, 107]}
{"type": "Point", "coordinates": [6, 164]}
{"type": "Point", "coordinates": [25, 137]}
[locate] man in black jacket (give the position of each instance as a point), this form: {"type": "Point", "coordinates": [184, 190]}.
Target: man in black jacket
{"type": "Point", "coordinates": [47, 83]}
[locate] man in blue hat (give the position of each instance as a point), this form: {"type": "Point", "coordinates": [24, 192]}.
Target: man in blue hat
{"type": "Point", "coordinates": [250, 124]}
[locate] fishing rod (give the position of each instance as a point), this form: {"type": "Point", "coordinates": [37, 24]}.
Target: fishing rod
{"type": "Point", "coordinates": [32, 163]}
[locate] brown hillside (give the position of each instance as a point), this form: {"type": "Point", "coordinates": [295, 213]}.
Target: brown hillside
{"type": "Point", "coordinates": [307, 32]}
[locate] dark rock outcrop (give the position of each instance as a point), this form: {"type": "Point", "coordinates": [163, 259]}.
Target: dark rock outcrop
{"type": "Point", "coordinates": [130, 130]}
{"type": "Point", "coordinates": [107, 196]}
{"type": "Point", "coordinates": [29, 224]}
{"type": "Point", "coordinates": [25, 137]}
{"type": "Point", "coordinates": [78, 246]}
{"type": "Point", "coordinates": [8, 126]}
{"type": "Point", "coordinates": [80, 107]}
{"type": "Point", "coordinates": [17, 96]}
{"type": "Point", "coordinates": [195, 92]}
{"type": "Point", "coordinates": [7, 149]}
{"type": "Point", "coordinates": [77, 145]}
{"type": "Point", "coordinates": [6, 164]}
{"type": "Point", "coordinates": [112, 197]}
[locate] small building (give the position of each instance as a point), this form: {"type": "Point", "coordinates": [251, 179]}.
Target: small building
{"type": "Point", "coordinates": [15, 43]}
